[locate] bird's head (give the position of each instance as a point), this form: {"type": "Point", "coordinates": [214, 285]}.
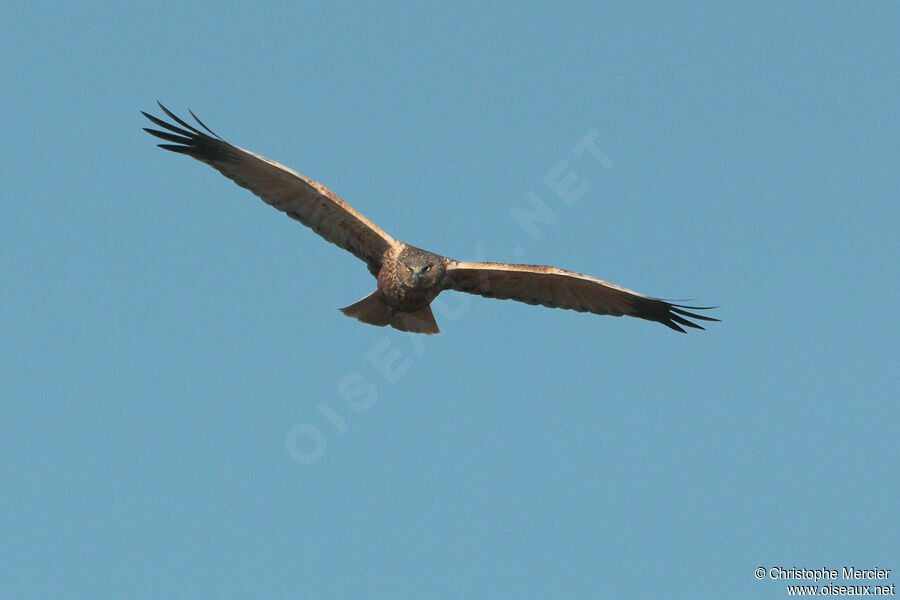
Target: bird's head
{"type": "Point", "coordinates": [420, 269]}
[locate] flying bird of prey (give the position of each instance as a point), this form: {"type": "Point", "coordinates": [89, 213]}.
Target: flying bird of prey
{"type": "Point", "coordinates": [409, 278]}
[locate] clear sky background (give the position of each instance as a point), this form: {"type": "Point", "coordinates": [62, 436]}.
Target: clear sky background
{"type": "Point", "coordinates": [186, 414]}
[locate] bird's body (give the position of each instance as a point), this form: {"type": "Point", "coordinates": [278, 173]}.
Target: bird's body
{"type": "Point", "coordinates": [409, 278]}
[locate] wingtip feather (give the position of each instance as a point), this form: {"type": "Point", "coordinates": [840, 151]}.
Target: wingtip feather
{"type": "Point", "coordinates": [203, 125]}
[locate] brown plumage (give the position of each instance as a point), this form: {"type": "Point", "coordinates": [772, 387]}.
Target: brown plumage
{"type": "Point", "coordinates": [409, 278]}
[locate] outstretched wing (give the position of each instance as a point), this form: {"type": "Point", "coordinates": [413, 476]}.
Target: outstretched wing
{"type": "Point", "coordinates": [299, 197]}
{"type": "Point", "coordinates": [558, 288]}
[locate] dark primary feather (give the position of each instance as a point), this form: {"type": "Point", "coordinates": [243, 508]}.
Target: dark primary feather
{"type": "Point", "coordinates": [189, 140]}
{"type": "Point", "coordinates": [670, 315]}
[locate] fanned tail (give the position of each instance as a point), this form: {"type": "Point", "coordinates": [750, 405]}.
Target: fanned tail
{"type": "Point", "coordinates": [373, 310]}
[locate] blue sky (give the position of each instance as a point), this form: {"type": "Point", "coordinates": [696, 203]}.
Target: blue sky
{"type": "Point", "coordinates": [184, 412]}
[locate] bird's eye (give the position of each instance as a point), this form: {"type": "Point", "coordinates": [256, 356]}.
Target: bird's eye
{"type": "Point", "coordinates": [409, 269]}
{"type": "Point", "coordinates": [428, 268]}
